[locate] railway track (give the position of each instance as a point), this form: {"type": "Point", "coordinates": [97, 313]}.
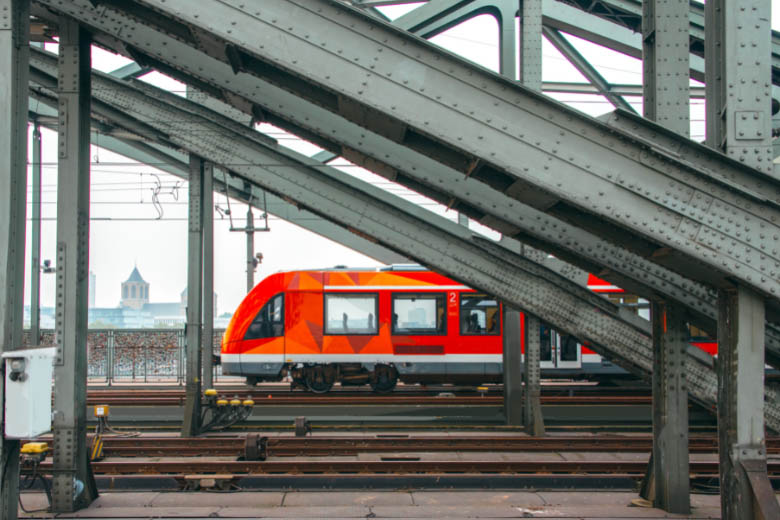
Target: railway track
{"type": "Point", "coordinates": [176, 398]}
{"type": "Point", "coordinates": [254, 446]}
{"type": "Point", "coordinates": [395, 466]}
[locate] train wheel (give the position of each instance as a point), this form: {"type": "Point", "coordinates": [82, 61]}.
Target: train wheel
{"type": "Point", "coordinates": [317, 380]}
{"type": "Point", "coordinates": [252, 380]}
{"type": "Point", "coordinates": [384, 379]}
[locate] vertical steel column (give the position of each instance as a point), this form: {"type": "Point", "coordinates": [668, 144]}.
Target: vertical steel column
{"type": "Point", "coordinates": [531, 43]}
{"type": "Point", "coordinates": [250, 249]}
{"type": "Point", "coordinates": [14, 72]}
{"type": "Point", "coordinates": [73, 484]}
{"type": "Point", "coordinates": [665, 58]}
{"type": "Point", "coordinates": [35, 256]}
{"type": "Point", "coordinates": [532, 408]}
{"type": "Point", "coordinates": [669, 471]}
{"type": "Point", "coordinates": [507, 53]}
{"type": "Point", "coordinates": [666, 63]}
{"type": "Point", "coordinates": [739, 84]}
{"type": "Point", "coordinates": [738, 87]}
{"type": "Point", "coordinates": [208, 275]}
{"type": "Point", "coordinates": [530, 13]}
{"type": "Point", "coordinates": [513, 368]}
{"type": "Point", "coordinates": [745, 491]}
{"type": "Point", "coordinates": [192, 418]}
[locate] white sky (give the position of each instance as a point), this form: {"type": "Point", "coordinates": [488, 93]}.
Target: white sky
{"type": "Point", "coordinates": [124, 231]}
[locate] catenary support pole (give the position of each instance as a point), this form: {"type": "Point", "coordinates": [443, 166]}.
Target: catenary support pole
{"type": "Point", "coordinates": [250, 249]}
{"type": "Point", "coordinates": [208, 275]}
{"type": "Point", "coordinates": [513, 368]}
{"type": "Point", "coordinates": [666, 78]}
{"type": "Point", "coordinates": [738, 87]}
{"type": "Point", "coordinates": [35, 240]}
{"type": "Point", "coordinates": [73, 485]}
{"type": "Point", "coordinates": [14, 72]}
{"type": "Point", "coordinates": [192, 410]}
{"type": "Point", "coordinates": [532, 406]}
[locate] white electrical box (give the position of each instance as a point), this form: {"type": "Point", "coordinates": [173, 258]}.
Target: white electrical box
{"type": "Point", "coordinates": [28, 377]}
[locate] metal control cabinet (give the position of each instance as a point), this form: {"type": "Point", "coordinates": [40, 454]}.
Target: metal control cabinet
{"type": "Point", "coordinates": [28, 378]}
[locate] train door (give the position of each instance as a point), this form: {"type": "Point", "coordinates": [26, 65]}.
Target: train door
{"type": "Point", "coordinates": [264, 339]}
{"type": "Point", "coordinates": [569, 352]}
{"type": "Point", "coordinates": [559, 350]}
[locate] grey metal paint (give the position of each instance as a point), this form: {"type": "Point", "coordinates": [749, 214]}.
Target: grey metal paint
{"type": "Point", "coordinates": [174, 162]}
{"type": "Point", "coordinates": [670, 409]}
{"type": "Point", "coordinates": [532, 404]}
{"type": "Point", "coordinates": [673, 217]}
{"type": "Point", "coordinates": [585, 68]}
{"type": "Point", "coordinates": [558, 237]}
{"type": "Point", "coordinates": [72, 264]}
{"type": "Point", "coordinates": [665, 62]}
{"type": "Point", "coordinates": [530, 14]}
{"type": "Point", "coordinates": [513, 363]}
{"type": "Point", "coordinates": [207, 349]}
{"type": "Point", "coordinates": [191, 424]}
{"type": "Point", "coordinates": [35, 239]}
{"type": "Point", "coordinates": [403, 226]}
{"type": "Point", "coordinates": [14, 71]}
{"type": "Point", "coordinates": [740, 403]}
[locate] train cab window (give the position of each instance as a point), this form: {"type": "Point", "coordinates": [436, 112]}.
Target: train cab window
{"type": "Point", "coordinates": [269, 322]}
{"type": "Point", "coordinates": [420, 313]}
{"type": "Point", "coordinates": [351, 314]}
{"type": "Point", "coordinates": [479, 315]}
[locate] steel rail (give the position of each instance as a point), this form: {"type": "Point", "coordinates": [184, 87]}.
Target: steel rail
{"type": "Point", "coordinates": [212, 467]}
{"type": "Point", "coordinates": [151, 446]}
{"type": "Point", "coordinates": [371, 400]}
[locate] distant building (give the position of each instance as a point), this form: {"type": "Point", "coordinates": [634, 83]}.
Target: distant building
{"type": "Point", "coordinates": [135, 291]}
{"type": "Point", "coordinates": [135, 311]}
{"type": "Point", "coordinates": [92, 288]}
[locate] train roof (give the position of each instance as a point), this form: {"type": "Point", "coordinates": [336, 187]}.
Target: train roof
{"type": "Point", "coordinates": [391, 267]}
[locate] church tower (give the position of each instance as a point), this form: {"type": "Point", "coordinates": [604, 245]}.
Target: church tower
{"type": "Point", "coordinates": [135, 291]}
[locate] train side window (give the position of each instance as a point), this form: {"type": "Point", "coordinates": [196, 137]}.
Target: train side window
{"type": "Point", "coordinates": [479, 315]}
{"type": "Point", "coordinates": [418, 313]}
{"type": "Point", "coordinates": [269, 322]}
{"type": "Point", "coordinates": [351, 313]}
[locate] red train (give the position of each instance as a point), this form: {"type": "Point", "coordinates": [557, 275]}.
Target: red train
{"type": "Point", "coordinates": [376, 326]}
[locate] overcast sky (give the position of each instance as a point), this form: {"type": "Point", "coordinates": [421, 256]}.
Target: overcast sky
{"type": "Point", "coordinates": [125, 231]}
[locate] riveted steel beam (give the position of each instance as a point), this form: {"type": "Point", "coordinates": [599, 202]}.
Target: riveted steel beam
{"type": "Point", "coordinates": [673, 210]}
{"type": "Point", "coordinates": [73, 485]}
{"type": "Point", "coordinates": [628, 13]}
{"type": "Point", "coordinates": [739, 123]}
{"type": "Point", "coordinates": [533, 419]}
{"type": "Point", "coordinates": [174, 162]}
{"type": "Point", "coordinates": [512, 367]}
{"type": "Point", "coordinates": [415, 232]}
{"type": "Point", "coordinates": [14, 71]}
{"type": "Point", "coordinates": [420, 172]}
{"type": "Point", "coordinates": [585, 68]}
{"type": "Point", "coordinates": [666, 100]}
{"type": "Point", "coordinates": [191, 425]}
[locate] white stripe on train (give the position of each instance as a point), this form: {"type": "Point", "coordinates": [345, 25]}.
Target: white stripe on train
{"type": "Point", "coordinates": [361, 358]}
